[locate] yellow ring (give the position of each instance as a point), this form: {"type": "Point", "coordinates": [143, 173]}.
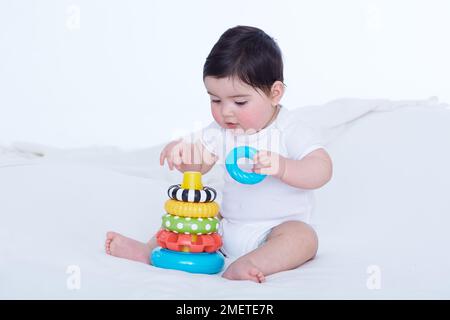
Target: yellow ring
{"type": "Point", "coordinates": [192, 209]}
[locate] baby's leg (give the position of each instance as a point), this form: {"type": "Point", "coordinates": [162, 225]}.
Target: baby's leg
{"type": "Point", "coordinates": [288, 246]}
{"type": "Point", "coordinates": [122, 247]}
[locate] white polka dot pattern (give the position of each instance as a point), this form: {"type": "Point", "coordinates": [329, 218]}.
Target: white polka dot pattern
{"type": "Point", "coordinates": [190, 225]}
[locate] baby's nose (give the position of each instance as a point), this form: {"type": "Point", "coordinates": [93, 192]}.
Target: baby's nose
{"type": "Point", "coordinates": [227, 111]}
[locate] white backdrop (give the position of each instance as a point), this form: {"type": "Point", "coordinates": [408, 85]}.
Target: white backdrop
{"type": "Point", "coordinates": [129, 73]}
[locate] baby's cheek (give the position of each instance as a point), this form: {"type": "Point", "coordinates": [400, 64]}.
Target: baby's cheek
{"type": "Point", "coordinates": [249, 119]}
{"type": "Point", "coordinates": [216, 115]}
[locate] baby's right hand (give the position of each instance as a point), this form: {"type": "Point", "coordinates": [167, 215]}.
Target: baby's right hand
{"type": "Point", "coordinates": [181, 155]}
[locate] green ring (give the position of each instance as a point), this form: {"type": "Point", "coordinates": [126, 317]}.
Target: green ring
{"type": "Point", "coordinates": [189, 225]}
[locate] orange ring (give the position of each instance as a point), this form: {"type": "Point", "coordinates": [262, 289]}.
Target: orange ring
{"type": "Point", "coordinates": [189, 242]}
{"type": "Point", "coordinates": [192, 209]}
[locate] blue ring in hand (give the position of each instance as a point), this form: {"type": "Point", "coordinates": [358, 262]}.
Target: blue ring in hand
{"type": "Point", "coordinates": [202, 262]}
{"type": "Point", "coordinates": [237, 173]}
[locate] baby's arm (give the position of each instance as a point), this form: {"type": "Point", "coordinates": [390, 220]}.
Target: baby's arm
{"type": "Point", "coordinates": [311, 172]}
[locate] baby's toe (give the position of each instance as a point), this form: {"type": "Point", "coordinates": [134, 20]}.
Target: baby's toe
{"type": "Point", "coordinates": [108, 246]}
{"type": "Point", "coordinates": [256, 273]}
{"type": "Point", "coordinates": [261, 277]}
{"type": "Point", "coordinates": [110, 235]}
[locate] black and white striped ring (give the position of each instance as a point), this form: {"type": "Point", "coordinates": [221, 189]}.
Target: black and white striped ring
{"type": "Point", "coordinates": [207, 194]}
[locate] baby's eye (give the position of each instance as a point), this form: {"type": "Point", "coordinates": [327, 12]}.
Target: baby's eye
{"type": "Point", "coordinates": [215, 101]}
{"type": "Point", "coordinates": [240, 103]}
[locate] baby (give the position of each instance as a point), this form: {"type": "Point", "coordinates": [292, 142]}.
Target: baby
{"type": "Point", "coordinates": [265, 226]}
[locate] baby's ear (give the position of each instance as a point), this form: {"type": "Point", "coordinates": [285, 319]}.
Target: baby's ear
{"type": "Point", "coordinates": [277, 92]}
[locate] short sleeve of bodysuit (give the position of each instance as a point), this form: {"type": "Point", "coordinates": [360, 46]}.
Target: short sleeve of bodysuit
{"type": "Point", "coordinates": [301, 139]}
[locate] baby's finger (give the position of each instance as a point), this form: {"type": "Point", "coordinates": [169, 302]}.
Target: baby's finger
{"type": "Point", "coordinates": [177, 160]}
{"type": "Point", "coordinates": [257, 170]}
{"type": "Point", "coordinates": [256, 160]}
{"type": "Point", "coordinates": [162, 157]}
{"type": "Point", "coordinates": [262, 160]}
{"type": "Point", "coordinates": [174, 158]}
{"type": "Point", "coordinates": [170, 161]}
{"type": "Point", "coordinates": [265, 160]}
{"type": "Point", "coordinates": [263, 154]}
{"type": "Point", "coordinates": [187, 154]}
{"type": "Point", "coordinates": [258, 167]}
{"type": "Point", "coordinates": [266, 171]}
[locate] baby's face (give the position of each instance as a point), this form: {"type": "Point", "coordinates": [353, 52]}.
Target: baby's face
{"type": "Point", "coordinates": [236, 105]}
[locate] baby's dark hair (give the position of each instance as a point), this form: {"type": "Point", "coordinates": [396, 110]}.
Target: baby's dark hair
{"type": "Point", "coordinates": [247, 53]}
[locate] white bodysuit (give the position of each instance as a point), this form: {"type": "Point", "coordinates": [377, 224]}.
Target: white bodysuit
{"type": "Point", "coordinates": [251, 211]}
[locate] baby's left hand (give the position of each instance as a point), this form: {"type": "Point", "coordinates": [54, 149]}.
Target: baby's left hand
{"type": "Point", "coordinates": [269, 163]}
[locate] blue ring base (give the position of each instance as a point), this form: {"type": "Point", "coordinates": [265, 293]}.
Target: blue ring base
{"type": "Point", "coordinates": [208, 263]}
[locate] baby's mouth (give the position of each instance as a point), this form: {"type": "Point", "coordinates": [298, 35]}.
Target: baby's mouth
{"type": "Point", "coordinates": [231, 125]}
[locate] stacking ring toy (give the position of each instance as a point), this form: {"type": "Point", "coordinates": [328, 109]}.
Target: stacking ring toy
{"type": "Point", "coordinates": [208, 263]}
{"type": "Point", "coordinates": [189, 242]}
{"type": "Point", "coordinates": [237, 173]}
{"type": "Point", "coordinates": [190, 209]}
{"type": "Point", "coordinates": [176, 192]}
{"type": "Point", "coordinates": [188, 225]}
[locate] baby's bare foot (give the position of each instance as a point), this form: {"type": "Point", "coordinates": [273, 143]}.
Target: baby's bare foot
{"type": "Point", "coordinates": [244, 269]}
{"type": "Point", "coordinates": [122, 247]}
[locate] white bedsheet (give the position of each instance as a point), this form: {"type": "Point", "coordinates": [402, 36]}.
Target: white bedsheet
{"type": "Point", "coordinates": [386, 210]}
